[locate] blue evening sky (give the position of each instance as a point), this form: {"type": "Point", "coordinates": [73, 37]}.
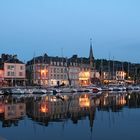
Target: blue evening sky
{"type": "Point", "coordinates": [64, 27]}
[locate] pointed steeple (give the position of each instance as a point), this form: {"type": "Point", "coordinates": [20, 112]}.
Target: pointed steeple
{"type": "Point", "coordinates": [91, 51]}
{"type": "Point", "coordinates": [91, 58]}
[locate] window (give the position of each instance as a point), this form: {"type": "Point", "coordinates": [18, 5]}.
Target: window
{"type": "Point", "coordinates": [54, 70]}
{"type": "Point", "coordinates": [12, 67]}
{"type": "Point", "coordinates": [8, 73]}
{"type": "Point", "coordinates": [21, 67]}
{"type": "Point", "coordinates": [57, 70]}
{"type": "Point", "coordinates": [54, 76]}
{"type": "Point", "coordinates": [12, 74]}
{"type": "Point", "coordinates": [8, 67]}
{"type": "Point", "coordinates": [20, 107]}
{"type": "Point", "coordinates": [61, 76]}
{"type": "Point", "coordinates": [61, 70]}
{"type": "Point", "coordinates": [20, 74]}
{"type": "Point", "coordinates": [38, 75]}
{"type": "Point", "coordinates": [65, 76]}
{"type": "Point", "coordinates": [38, 67]}
{"type": "Point", "coordinates": [51, 70]}
{"type": "Point", "coordinates": [65, 69]}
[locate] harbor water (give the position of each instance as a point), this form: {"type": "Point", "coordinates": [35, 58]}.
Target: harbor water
{"type": "Point", "coordinates": [81, 116]}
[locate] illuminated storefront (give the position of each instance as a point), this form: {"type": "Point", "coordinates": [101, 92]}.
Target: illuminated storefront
{"type": "Point", "coordinates": [43, 76]}
{"type": "Point", "coordinates": [84, 78]}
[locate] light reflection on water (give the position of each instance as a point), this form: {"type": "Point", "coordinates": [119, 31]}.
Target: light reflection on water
{"type": "Point", "coordinates": [80, 116]}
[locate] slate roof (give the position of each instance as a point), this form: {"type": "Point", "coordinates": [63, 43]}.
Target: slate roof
{"type": "Point", "coordinates": [48, 59]}
{"type": "Point", "coordinates": [14, 60]}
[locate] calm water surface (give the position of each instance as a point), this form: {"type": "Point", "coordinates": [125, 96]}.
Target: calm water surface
{"type": "Point", "coordinates": [81, 116]}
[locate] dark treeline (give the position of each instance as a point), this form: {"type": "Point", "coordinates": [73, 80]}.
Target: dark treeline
{"type": "Point", "coordinates": [132, 69]}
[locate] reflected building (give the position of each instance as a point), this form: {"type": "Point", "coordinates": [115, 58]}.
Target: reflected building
{"type": "Point", "coordinates": [74, 108]}
{"type": "Point", "coordinates": [1, 108]}
{"type": "Point", "coordinates": [46, 110]}
{"type": "Point", "coordinates": [113, 102]}
{"type": "Point", "coordinates": [133, 100]}
{"type": "Point", "coordinates": [14, 111]}
{"type": "Point", "coordinates": [10, 113]}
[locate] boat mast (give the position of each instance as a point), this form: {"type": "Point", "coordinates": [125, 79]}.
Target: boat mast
{"type": "Point", "coordinates": [113, 70]}
{"type": "Point", "coordinates": [128, 69]}
{"type": "Point", "coordinates": [34, 72]}
{"type": "Point", "coordinates": [101, 71]}
{"type": "Point", "coordinates": [109, 69]}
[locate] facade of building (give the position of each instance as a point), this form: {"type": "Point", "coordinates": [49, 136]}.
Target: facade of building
{"type": "Point", "coordinates": [45, 70]}
{"type": "Point", "coordinates": [57, 71]}
{"type": "Point", "coordinates": [1, 77]}
{"type": "Point", "coordinates": [13, 71]}
{"type": "Point", "coordinates": [120, 75]}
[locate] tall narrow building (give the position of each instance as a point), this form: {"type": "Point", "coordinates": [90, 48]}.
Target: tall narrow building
{"type": "Point", "coordinates": [91, 57]}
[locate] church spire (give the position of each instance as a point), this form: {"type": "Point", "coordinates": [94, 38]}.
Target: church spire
{"type": "Point", "coordinates": [91, 58]}
{"type": "Point", "coordinates": [91, 52]}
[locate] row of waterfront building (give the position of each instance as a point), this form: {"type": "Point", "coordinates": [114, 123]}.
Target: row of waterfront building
{"type": "Point", "coordinates": [51, 71]}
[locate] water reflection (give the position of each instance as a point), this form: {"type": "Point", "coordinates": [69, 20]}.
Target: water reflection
{"type": "Point", "coordinates": [44, 110]}
{"type": "Point", "coordinates": [73, 107]}
{"type": "Point", "coordinates": [114, 102]}
{"type": "Point", "coordinates": [11, 111]}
